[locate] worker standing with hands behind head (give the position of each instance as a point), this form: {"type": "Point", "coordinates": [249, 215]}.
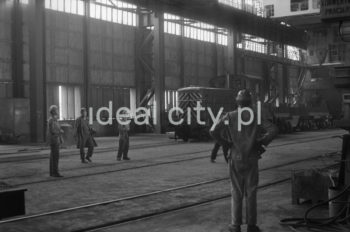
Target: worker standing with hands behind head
{"type": "Point", "coordinates": [123, 138]}
{"type": "Point", "coordinates": [246, 144]}
{"type": "Point", "coordinates": [54, 137]}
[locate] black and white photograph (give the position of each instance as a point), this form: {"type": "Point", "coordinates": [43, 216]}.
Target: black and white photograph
{"type": "Point", "coordinates": [175, 115]}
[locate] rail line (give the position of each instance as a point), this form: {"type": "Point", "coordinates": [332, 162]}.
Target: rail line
{"type": "Point", "coordinates": [24, 159]}
{"type": "Point", "coordinates": [146, 165]}
{"type": "Point", "coordinates": [113, 224]}
{"type": "Point", "coordinates": [155, 193]}
{"type": "Point", "coordinates": [28, 158]}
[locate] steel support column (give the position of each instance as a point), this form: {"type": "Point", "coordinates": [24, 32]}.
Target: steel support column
{"type": "Point", "coordinates": [139, 73]}
{"type": "Point", "coordinates": [182, 54]}
{"type": "Point", "coordinates": [17, 50]}
{"type": "Point", "coordinates": [143, 56]}
{"type": "Point", "coordinates": [215, 56]}
{"type": "Point", "coordinates": [86, 60]}
{"type": "Point", "coordinates": [267, 80]}
{"type": "Point", "coordinates": [234, 80]}
{"type": "Point", "coordinates": [285, 83]}
{"type": "Point", "coordinates": [159, 70]}
{"type": "Point", "coordinates": [232, 52]}
{"type": "Point", "coordinates": [37, 82]}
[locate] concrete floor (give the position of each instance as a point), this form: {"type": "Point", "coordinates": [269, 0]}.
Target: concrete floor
{"type": "Point", "coordinates": [156, 165]}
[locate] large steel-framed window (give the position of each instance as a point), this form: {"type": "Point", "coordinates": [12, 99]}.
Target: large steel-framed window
{"type": "Point", "coordinates": [270, 10]}
{"type": "Point", "coordinates": [299, 5]}
{"type": "Point", "coordinates": [253, 43]}
{"type": "Point", "coordinates": [170, 99]}
{"type": "Point", "coordinates": [114, 11]}
{"type": "Point", "coordinates": [68, 6]}
{"type": "Point", "coordinates": [251, 6]}
{"type": "Point", "coordinates": [199, 31]}
{"type": "Point", "coordinates": [234, 3]}
{"type": "Point", "coordinates": [172, 24]}
{"type": "Point", "coordinates": [316, 4]}
{"type": "Point", "coordinates": [293, 53]}
{"type": "Point", "coordinates": [194, 29]}
{"type": "Point", "coordinates": [108, 10]}
{"type": "Point", "coordinates": [69, 98]}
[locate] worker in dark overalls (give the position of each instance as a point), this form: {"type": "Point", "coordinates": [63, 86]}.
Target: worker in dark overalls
{"type": "Point", "coordinates": [123, 148]}
{"type": "Point", "coordinates": [214, 152]}
{"type": "Point", "coordinates": [217, 145]}
{"type": "Point", "coordinates": [54, 138]}
{"type": "Point", "coordinates": [84, 134]}
{"type": "Point", "coordinates": [246, 146]}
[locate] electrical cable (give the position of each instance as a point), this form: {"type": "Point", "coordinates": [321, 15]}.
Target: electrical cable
{"type": "Point", "coordinates": [320, 223]}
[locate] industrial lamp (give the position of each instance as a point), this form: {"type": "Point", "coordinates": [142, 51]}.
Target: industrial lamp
{"type": "Point", "coordinates": [344, 31]}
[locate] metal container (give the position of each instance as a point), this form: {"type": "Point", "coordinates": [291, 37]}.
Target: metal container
{"type": "Point", "coordinates": [336, 206]}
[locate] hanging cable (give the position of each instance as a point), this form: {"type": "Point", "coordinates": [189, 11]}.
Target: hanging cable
{"type": "Point", "coordinates": [320, 223]}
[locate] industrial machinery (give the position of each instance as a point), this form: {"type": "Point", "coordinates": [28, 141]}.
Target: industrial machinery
{"type": "Point", "coordinates": [339, 195]}
{"type": "Point", "coordinates": [213, 98]}
{"type": "Point", "coordinates": [342, 82]}
{"type": "Point", "coordinates": [314, 105]}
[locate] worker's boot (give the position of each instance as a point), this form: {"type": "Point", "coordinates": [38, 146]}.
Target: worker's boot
{"type": "Point", "coordinates": [234, 228]}
{"type": "Point", "coordinates": [253, 228]}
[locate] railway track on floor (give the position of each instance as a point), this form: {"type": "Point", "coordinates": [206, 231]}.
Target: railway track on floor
{"type": "Point", "coordinates": [28, 158]}
{"type": "Point", "coordinates": [155, 193]}
{"type": "Point", "coordinates": [148, 165]}
{"type": "Point", "coordinates": [111, 225]}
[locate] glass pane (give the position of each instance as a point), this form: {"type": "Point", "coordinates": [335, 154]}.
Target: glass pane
{"type": "Point", "coordinates": [103, 13]}
{"type": "Point", "coordinates": [47, 4]}
{"type": "Point", "coordinates": [92, 10]}
{"type": "Point", "coordinates": [98, 12]}
{"type": "Point", "coordinates": [81, 9]}
{"type": "Point", "coordinates": [54, 4]}
{"type": "Point", "coordinates": [60, 5]}
{"type": "Point", "coordinates": [109, 14]}
{"type": "Point", "coordinates": [74, 7]}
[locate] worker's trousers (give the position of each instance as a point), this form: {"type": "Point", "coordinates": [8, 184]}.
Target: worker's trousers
{"type": "Point", "coordinates": [54, 157]}
{"type": "Point", "coordinates": [86, 142]}
{"type": "Point", "coordinates": [244, 178]}
{"type": "Point", "coordinates": [214, 152]}
{"type": "Point", "coordinates": [123, 148]}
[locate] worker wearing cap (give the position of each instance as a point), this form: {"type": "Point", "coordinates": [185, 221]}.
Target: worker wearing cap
{"type": "Point", "coordinates": [123, 148]}
{"type": "Point", "coordinates": [54, 138]}
{"type": "Point", "coordinates": [84, 134]}
{"type": "Point", "coordinates": [247, 144]}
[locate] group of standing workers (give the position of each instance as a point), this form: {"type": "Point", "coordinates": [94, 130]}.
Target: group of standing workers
{"type": "Point", "coordinates": [242, 150]}
{"type": "Point", "coordinates": [84, 135]}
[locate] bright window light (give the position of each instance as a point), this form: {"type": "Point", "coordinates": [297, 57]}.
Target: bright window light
{"type": "Point", "coordinates": [108, 10]}
{"type": "Point", "coordinates": [60, 105]}
{"type": "Point", "coordinates": [293, 53]}
{"type": "Point", "coordinates": [252, 6]}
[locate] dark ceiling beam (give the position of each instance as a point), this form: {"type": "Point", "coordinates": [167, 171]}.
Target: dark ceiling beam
{"type": "Point", "coordinates": [229, 17]}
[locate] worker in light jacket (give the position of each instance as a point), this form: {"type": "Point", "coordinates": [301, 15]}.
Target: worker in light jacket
{"type": "Point", "coordinates": [247, 143]}
{"type": "Point", "coordinates": [84, 135]}
{"type": "Point", "coordinates": [54, 138]}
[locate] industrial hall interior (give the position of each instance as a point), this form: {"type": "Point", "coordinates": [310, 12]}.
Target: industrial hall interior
{"type": "Point", "coordinates": [175, 115]}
